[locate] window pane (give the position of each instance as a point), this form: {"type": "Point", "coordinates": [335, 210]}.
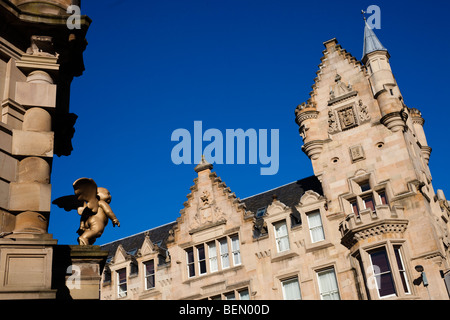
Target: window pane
{"type": "Point", "coordinates": [401, 269]}
{"type": "Point", "coordinates": [190, 255]}
{"type": "Point", "coordinates": [383, 198]}
{"type": "Point", "coordinates": [260, 212]}
{"type": "Point", "coordinates": [122, 275]}
{"type": "Point", "coordinates": [230, 296]}
{"type": "Point", "coordinates": [201, 259]}
{"type": "Point", "coordinates": [150, 267]}
{"type": "Point", "coordinates": [365, 186]}
{"type": "Point", "coordinates": [379, 259]}
{"type": "Point", "coordinates": [149, 274]}
{"type": "Point", "coordinates": [315, 227]}
{"type": "Point", "coordinates": [368, 202]}
{"type": "Point", "coordinates": [212, 251]}
{"type": "Point", "coordinates": [382, 272]}
{"type": "Point", "coordinates": [386, 284]}
{"type": "Point", "coordinates": [328, 285]}
{"type": "Point", "coordinates": [281, 236]}
{"type": "Point", "coordinates": [236, 250]}
{"type": "Point", "coordinates": [291, 289]}
{"type": "Point", "coordinates": [190, 262]}
{"type": "Point", "coordinates": [150, 282]}
{"type": "Point", "coordinates": [122, 283]}
{"type": "Point", "coordinates": [243, 295]}
{"type": "Point", "coordinates": [224, 253]}
{"type": "Point", "coordinates": [355, 209]}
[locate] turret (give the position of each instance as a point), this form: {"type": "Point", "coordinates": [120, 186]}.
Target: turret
{"type": "Point", "coordinates": [306, 118]}
{"type": "Point", "coordinates": [418, 122]}
{"type": "Point", "coordinates": [382, 81]}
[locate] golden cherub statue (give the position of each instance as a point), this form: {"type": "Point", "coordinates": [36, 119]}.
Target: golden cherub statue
{"type": "Point", "coordinates": [92, 204]}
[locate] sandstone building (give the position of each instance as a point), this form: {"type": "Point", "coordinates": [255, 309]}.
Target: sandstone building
{"type": "Point", "coordinates": [363, 227]}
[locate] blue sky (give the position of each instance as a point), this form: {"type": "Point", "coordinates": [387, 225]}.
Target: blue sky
{"type": "Point", "coordinates": [156, 66]}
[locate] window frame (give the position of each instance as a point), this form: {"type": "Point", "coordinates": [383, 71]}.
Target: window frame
{"type": "Point", "coordinates": [201, 262]}
{"type": "Point", "coordinates": [283, 238]}
{"type": "Point", "coordinates": [283, 288]}
{"type": "Point", "coordinates": [235, 251]}
{"type": "Point", "coordinates": [123, 283]}
{"type": "Point", "coordinates": [310, 228]}
{"type": "Point", "coordinates": [190, 263]}
{"type": "Point", "coordinates": [206, 255]}
{"type": "Point", "coordinates": [323, 271]}
{"type": "Point", "coordinates": [402, 269]}
{"type": "Point", "coordinates": [147, 275]}
{"type": "Point", "coordinates": [224, 255]}
{"type": "Point", "coordinates": [390, 272]}
{"type": "Point", "coordinates": [213, 259]}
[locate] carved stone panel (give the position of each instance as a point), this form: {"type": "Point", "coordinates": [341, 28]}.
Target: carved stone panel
{"type": "Point", "coordinates": [347, 118]}
{"type": "Point", "coordinates": [357, 153]}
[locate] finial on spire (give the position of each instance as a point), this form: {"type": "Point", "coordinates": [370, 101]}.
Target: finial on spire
{"type": "Point", "coordinates": [203, 165]}
{"type": "Point", "coordinates": [363, 14]}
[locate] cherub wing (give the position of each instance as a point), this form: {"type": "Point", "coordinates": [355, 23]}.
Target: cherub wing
{"type": "Point", "coordinates": [68, 203]}
{"type": "Point", "coordinates": [86, 190]}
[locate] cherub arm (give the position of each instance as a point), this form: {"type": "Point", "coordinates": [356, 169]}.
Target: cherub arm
{"type": "Point", "coordinates": [109, 213]}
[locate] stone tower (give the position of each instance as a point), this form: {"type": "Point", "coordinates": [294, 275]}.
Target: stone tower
{"type": "Point", "coordinates": [370, 153]}
{"type": "Point", "coordinates": [39, 57]}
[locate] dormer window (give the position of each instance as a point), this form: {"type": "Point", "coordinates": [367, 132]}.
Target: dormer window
{"type": "Point", "coordinates": [281, 236]}
{"type": "Point", "coordinates": [122, 283]}
{"type": "Point", "coordinates": [261, 212]}
{"type": "Point", "coordinates": [149, 274]}
{"type": "Point", "coordinates": [315, 226]}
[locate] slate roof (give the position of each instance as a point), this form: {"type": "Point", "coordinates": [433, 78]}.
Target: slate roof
{"type": "Point", "coordinates": [288, 194]}
{"type": "Point", "coordinates": [130, 244]}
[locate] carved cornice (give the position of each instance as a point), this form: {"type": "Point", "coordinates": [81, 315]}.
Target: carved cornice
{"type": "Point", "coordinates": [313, 148]}
{"type": "Point", "coordinates": [353, 236]}
{"type": "Point", "coordinates": [305, 111]}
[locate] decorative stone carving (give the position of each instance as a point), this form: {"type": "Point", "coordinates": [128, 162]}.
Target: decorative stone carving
{"type": "Point", "coordinates": [42, 46]}
{"type": "Point", "coordinates": [357, 153]}
{"type": "Point", "coordinates": [363, 112]}
{"type": "Point", "coordinates": [347, 118]}
{"type": "Point", "coordinates": [92, 204]}
{"type": "Point", "coordinates": [340, 91]}
{"type": "Point", "coordinates": [332, 122]}
{"type": "Point", "coordinates": [205, 198]}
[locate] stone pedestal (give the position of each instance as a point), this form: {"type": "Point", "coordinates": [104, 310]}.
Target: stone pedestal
{"type": "Point", "coordinates": [26, 266]}
{"type": "Point", "coordinates": [77, 271]}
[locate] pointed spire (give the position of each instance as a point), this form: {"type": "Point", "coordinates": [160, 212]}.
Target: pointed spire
{"type": "Point", "coordinates": [203, 165]}
{"type": "Point", "coordinates": [371, 42]}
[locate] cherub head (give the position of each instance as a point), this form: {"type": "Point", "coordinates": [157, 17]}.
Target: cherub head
{"type": "Point", "coordinates": [103, 194]}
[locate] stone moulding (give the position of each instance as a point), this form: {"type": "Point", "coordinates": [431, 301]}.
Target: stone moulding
{"type": "Point", "coordinates": [352, 236]}
{"type": "Point", "coordinates": [207, 226]}
{"type": "Point", "coordinates": [393, 121]}
{"type": "Point", "coordinates": [313, 149]}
